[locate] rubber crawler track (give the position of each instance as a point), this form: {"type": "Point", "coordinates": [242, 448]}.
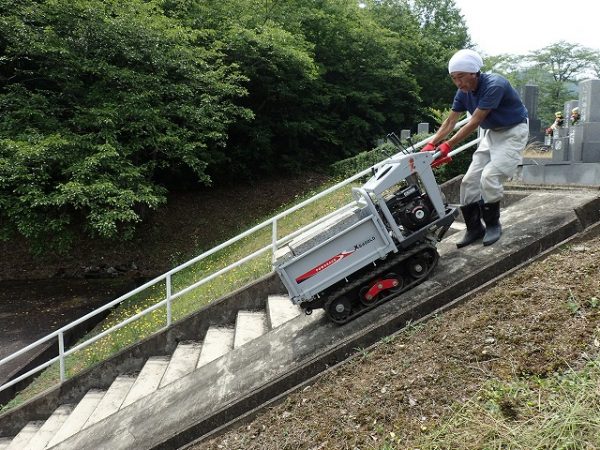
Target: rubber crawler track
{"type": "Point", "coordinates": [426, 249]}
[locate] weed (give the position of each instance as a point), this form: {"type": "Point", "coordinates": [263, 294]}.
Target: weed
{"type": "Point", "coordinates": [388, 339]}
{"type": "Point", "coordinates": [412, 328]}
{"type": "Point", "coordinates": [560, 411]}
{"type": "Point", "coordinates": [572, 303]}
{"type": "Point", "coordinates": [387, 446]}
{"type": "Point", "coordinates": [364, 353]}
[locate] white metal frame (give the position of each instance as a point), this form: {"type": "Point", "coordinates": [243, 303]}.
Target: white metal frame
{"type": "Point", "coordinates": [167, 277]}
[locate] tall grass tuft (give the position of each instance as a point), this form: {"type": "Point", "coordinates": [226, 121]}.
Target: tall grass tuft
{"type": "Point", "coordinates": [558, 412]}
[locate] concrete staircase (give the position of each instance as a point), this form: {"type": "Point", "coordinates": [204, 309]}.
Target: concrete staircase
{"type": "Point", "coordinates": [158, 372]}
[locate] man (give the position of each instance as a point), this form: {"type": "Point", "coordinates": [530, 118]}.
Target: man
{"type": "Point", "coordinates": [496, 108]}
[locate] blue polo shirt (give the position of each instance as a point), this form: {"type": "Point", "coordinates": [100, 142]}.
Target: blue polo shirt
{"type": "Point", "coordinates": [493, 92]}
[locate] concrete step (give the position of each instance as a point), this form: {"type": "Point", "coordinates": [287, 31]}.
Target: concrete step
{"type": "Point", "coordinates": [50, 428]}
{"type": "Point", "coordinates": [184, 360]}
{"type": "Point", "coordinates": [78, 416]}
{"type": "Point", "coordinates": [248, 326]}
{"type": "Point", "coordinates": [112, 400]}
{"type": "Point", "coordinates": [217, 342]}
{"type": "Point", "coordinates": [280, 309]}
{"type": "Point", "coordinates": [23, 437]}
{"type": "Point", "coordinates": [148, 380]}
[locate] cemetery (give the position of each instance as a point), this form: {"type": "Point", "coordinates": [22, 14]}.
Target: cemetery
{"type": "Point", "coordinates": [573, 156]}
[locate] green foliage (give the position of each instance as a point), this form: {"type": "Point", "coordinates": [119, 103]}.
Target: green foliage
{"type": "Point", "coordinates": [430, 32]}
{"type": "Point", "coordinates": [105, 105]}
{"type": "Point", "coordinates": [439, 115]}
{"type": "Point", "coordinates": [350, 166]}
{"type": "Point", "coordinates": [98, 100]}
{"type": "Point", "coordinates": [459, 165]}
{"type": "Point", "coordinates": [564, 61]}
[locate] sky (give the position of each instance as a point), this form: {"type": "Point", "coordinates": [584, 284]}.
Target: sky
{"type": "Point", "coordinates": [521, 26]}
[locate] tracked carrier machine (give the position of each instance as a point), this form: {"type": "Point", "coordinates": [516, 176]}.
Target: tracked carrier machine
{"type": "Point", "coordinates": [381, 246]}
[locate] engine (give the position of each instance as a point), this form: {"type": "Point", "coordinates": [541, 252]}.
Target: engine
{"type": "Point", "coordinates": [411, 208]}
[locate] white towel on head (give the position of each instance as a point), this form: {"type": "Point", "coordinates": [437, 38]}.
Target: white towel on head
{"type": "Point", "coordinates": [465, 60]}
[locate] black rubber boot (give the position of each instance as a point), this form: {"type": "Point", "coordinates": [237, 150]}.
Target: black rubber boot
{"type": "Point", "coordinates": [491, 217]}
{"type": "Point", "coordinates": [475, 230]}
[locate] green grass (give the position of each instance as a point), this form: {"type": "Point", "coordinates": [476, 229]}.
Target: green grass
{"type": "Point", "coordinates": [557, 412]}
{"type": "Point", "coordinates": [190, 302]}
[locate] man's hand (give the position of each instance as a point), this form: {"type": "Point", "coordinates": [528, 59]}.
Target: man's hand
{"type": "Point", "coordinates": [441, 161]}
{"type": "Point", "coordinates": [444, 148]}
{"type": "Point", "coordinates": [429, 147]}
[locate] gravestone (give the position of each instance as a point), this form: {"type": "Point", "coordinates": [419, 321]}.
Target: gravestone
{"type": "Point", "coordinates": [423, 128]}
{"type": "Point", "coordinates": [576, 143]}
{"type": "Point", "coordinates": [529, 95]}
{"type": "Point", "coordinates": [571, 149]}
{"type": "Point", "coordinates": [589, 100]}
{"type": "Point", "coordinates": [404, 134]}
{"type": "Point", "coordinates": [560, 149]}
{"type": "Point", "coordinates": [589, 106]}
{"type": "Point", "coordinates": [560, 132]}
{"type": "Point", "coordinates": [575, 149]}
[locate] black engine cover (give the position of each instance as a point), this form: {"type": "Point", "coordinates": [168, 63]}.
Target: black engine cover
{"type": "Point", "coordinates": [411, 208]}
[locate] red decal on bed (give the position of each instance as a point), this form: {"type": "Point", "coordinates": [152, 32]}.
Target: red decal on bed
{"type": "Point", "coordinates": [323, 266]}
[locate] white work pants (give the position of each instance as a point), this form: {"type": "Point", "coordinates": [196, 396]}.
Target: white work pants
{"type": "Point", "coordinates": [496, 159]}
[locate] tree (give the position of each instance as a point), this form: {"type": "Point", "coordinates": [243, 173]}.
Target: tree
{"type": "Point", "coordinates": [99, 101]}
{"type": "Point", "coordinates": [429, 33]}
{"type": "Point", "coordinates": [556, 69]}
{"type": "Point", "coordinates": [324, 81]}
{"type": "Point", "coordinates": [596, 66]}
{"type": "Point", "coordinates": [442, 21]}
{"type": "Point", "coordinates": [565, 62]}
{"type": "Point", "coordinates": [106, 104]}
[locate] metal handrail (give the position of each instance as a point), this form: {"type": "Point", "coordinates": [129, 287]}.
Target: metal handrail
{"type": "Point", "coordinates": [167, 276]}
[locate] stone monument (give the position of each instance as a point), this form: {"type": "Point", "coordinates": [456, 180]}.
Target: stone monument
{"type": "Point", "coordinates": [529, 95]}
{"type": "Point", "coordinates": [575, 147]}
{"type": "Point", "coordinates": [423, 128]}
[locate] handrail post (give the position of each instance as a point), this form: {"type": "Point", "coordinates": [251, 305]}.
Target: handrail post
{"type": "Point", "coordinates": [61, 352]}
{"type": "Point", "coordinates": [169, 294]}
{"type": "Point", "coordinates": [274, 240]}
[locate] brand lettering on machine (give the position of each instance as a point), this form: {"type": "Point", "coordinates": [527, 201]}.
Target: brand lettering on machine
{"type": "Point", "coordinates": [331, 261]}
{"type": "Point", "coordinates": [362, 244]}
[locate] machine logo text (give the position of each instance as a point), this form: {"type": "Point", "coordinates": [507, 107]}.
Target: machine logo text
{"type": "Point", "coordinates": [362, 244]}
{"type": "Point", "coordinates": [312, 272]}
